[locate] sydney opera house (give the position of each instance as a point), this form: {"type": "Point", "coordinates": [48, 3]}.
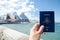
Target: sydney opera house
{"type": "Point", "coordinates": [13, 18]}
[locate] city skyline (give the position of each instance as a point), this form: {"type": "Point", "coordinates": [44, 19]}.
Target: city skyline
{"type": "Point", "coordinates": [31, 8]}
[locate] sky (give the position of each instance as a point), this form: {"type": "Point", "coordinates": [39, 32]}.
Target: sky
{"type": "Point", "coordinates": [49, 5]}
{"type": "Point", "coordinates": [31, 8]}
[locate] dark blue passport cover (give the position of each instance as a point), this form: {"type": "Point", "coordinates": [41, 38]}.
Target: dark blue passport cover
{"type": "Point", "coordinates": [47, 19]}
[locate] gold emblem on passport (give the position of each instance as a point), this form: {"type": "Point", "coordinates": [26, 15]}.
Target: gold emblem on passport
{"type": "Point", "coordinates": [47, 20]}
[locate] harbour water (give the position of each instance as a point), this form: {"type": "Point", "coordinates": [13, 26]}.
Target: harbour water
{"type": "Point", "coordinates": [25, 28]}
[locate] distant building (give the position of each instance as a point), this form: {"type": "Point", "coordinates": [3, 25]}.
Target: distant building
{"type": "Point", "coordinates": [24, 18]}
{"type": "Point", "coordinates": [3, 17]}
{"type": "Point", "coordinates": [16, 17]}
{"type": "Point", "coordinates": [8, 17]}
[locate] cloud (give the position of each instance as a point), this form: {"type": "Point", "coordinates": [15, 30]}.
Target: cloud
{"type": "Point", "coordinates": [19, 6]}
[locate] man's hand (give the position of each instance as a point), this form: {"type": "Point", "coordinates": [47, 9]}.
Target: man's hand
{"type": "Point", "coordinates": [36, 32]}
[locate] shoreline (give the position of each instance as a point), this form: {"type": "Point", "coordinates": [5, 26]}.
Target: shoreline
{"type": "Point", "coordinates": [6, 33]}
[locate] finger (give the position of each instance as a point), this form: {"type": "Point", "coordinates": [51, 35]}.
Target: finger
{"type": "Point", "coordinates": [36, 26]}
{"type": "Point", "coordinates": [41, 29]}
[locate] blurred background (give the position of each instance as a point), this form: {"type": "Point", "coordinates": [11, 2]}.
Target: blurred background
{"type": "Point", "coordinates": [21, 15]}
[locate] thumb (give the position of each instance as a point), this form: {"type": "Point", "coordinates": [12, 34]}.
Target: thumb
{"type": "Point", "coordinates": [41, 29]}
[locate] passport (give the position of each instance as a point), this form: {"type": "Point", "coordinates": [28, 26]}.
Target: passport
{"type": "Point", "coordinates": [47, 19]}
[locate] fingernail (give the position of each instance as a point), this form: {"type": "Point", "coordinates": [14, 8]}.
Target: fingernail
{"type": "Point", "coordinates": [42, 25]}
